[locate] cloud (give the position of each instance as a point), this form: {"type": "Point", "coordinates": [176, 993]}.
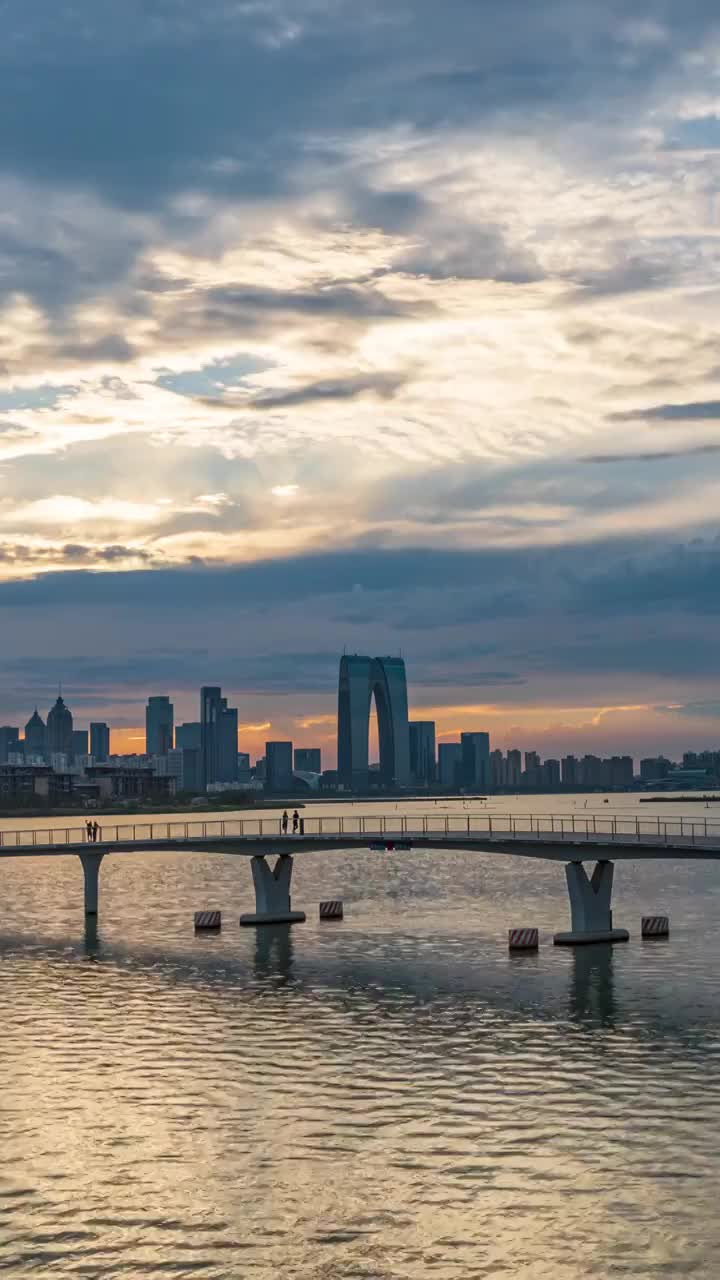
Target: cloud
{"type": "Point", "coordinates": [111, 349]}
{"type": "Point", "coordinates": [176, 103]}
{"type": "Point", "coordinates": [344, 300]}
{"type": "Point", "coordinates": [628, 274]}
{"type": "Point", "coordinates": [384, 385]}
{"type": "Point", "coordinates": [665, 455]}
{"type": "Point", "coordinates": [699, 411]}
{"type": "Point", "coordinates": [708, 709]}
{"type": "Point", "coordinates": [595, 581]}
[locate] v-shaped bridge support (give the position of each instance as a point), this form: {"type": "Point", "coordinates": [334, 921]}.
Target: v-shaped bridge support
{"type": "Point", "coordinates": [91, 874]}
{"type": "Point", "coordinates": [590, 909]}
{"type": "Point", "coordinates": [272, 893]}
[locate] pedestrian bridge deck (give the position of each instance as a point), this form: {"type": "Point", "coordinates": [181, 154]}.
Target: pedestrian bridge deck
{"type": "Point", "coordinates": [560, 837]}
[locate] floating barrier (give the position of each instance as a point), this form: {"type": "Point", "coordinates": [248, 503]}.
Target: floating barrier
{"type": "Point", "coordinates": [655, 926]}
{"type": "Point", "coordinates": [523, 939]}
{"type": "Point", "coordinates": [208, 919]}
{"type": "Point", "coordinates": [331, 910]}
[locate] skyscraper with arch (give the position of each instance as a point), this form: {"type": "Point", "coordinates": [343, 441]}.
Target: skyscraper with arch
{"type": "Point", "coordinates": [362, 679]}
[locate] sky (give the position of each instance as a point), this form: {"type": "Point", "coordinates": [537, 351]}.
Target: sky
{"type": "Point", "coordinates": [387, 327]}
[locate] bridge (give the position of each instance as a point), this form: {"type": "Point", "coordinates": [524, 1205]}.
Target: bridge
{"type": "Point", "coordinates": [570, 838]}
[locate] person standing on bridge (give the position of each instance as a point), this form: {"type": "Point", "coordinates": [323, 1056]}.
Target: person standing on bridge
{"type": "Point", "coordinates": [296, 822]}
{"type": "Point", "coordinates": [284, 823]}
{"type": "Point", "coordinates": [96, 831]}
{"type": "Point", "coordinates": [89, 831]}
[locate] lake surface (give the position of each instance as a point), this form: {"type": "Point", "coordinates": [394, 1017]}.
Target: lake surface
{"type": "Point", "coordinates": [391, 1096]}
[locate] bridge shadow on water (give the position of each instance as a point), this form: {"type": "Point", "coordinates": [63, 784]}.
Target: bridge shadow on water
{"type": "Point", "coordinates": [274, 953]}
{"type": "Point", "coordinates": [591, 991]}
{"type": "Point", "coordinates": [599, 986]}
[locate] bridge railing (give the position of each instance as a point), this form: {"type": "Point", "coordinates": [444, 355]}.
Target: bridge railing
{"type": "Point", "coordinates": [570, 827]}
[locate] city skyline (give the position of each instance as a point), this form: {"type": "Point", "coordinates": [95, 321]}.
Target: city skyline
{"type": "Point", "coordinates": [320, 732]}
{"type": "Point", "coordinates": [520, 688]}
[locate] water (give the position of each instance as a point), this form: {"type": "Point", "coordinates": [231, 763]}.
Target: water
{"type": "Point", "coordinates": [393, 1096]}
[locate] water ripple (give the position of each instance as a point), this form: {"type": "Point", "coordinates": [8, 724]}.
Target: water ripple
{"type": "Point", "coordinates": [392, 1098]}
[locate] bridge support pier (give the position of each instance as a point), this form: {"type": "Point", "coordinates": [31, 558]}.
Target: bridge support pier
{"type": "Point", "coordinates": [590, 909]}
{"type": "Point", "coordinates": [272, 893]}
{"type": "Point", "coordinates": [91, 872]}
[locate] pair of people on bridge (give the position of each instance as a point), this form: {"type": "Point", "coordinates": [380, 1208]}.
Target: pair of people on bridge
{"type": "Point", "coordinates": [295, 822]}
{"type": "Point", "coordinates": [93, 831]}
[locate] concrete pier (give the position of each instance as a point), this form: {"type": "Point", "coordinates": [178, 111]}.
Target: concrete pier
{"type": "Point", "coordinates": [91, 872]}
{"type": "Point", "coordinates": [590, 909]}
{"type": "Point", "coordinates": [272, 893]}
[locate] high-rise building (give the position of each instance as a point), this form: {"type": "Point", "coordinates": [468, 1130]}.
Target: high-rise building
{"type": "Point", "coordinates": [551, 774]}
{"type": "Point", "coordinates": [422, 752]}
{"type": "Point", "coordinates": [60, 730]}
{"type": "Point", "coordinates": [9, 742]}
{"type": "Point", "coordinates": [514, 768]}
{"type": "Point", "coordinates": [278, 766]}
{"type": "Point", "coordinates": [308, 759]}
{"type": "Point", "coordinates": [159, 726]}
{"type": "Point", "coordinates": [188, 735]}
{"type": "Point", "coordinates": [654, 769]}
{"type": "Point", "coordinates": [361, 680]}
{"type": "Point", "coordinates": [218, 737]}
{"type": "Point", "coordinates": [498, 770]}
{"type": "Point", "coordinates": [569, 771]}
{"type": "Point", "coordinates": [591, 771]}
{"type": "Point", "coordinates": [35, 737]}
{"type": "Point", "coordinates": [532, 775]}
{"type": "Point", "coordinates": [621, 771]}
{"type": "Point", "coordinates": [174, 767]}
{"type": "Point", "coordinates": [191, 779]}
{"type": "Point", "coordinates": [449, 764]}
{"type": "Point", "coordinates": [99, 741]}
{"type": "Point", "coordinates": [475, 761]}
{"type": "Point", "coordinates": [227, 760]}
{"type": "Point", "coordinates": [211, 704]}
{"type": "Point", "coordinates": [243, 764]}
{"type": "Point", "coordinates": [80, 743]}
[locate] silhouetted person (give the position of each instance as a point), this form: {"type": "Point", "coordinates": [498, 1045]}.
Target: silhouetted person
{"type": "Point", "coordinates": [284, 823]}
{"type": "Point", "coordinates": [89, 830]}
{"type": "Point", "coordinates": [96, 831]}
{"type": "Point", "coordinates": [296, 822]}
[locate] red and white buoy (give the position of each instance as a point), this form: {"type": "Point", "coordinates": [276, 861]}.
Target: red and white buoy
{"type": "Point", "coordinates": [655, 927]}
{"type": "Point", "coordinates": [332, 910]}
{"type": "Point", "coordinates": [208, 919]}
{"type": "Point", "coordinates": [523, 939]}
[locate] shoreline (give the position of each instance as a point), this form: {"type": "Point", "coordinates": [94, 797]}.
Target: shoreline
{"type": "Point", "coordinates": [713, 798]}
{"type": "Point", "coordinates": [213, 809]}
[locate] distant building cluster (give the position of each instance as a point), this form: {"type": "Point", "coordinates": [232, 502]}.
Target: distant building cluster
{"type": "Point", "coordinates": [52, 761]}
{"type": "Point", "coordinates": [697, 770]}
{"type": "Point", "coordinates": [56, 762]}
